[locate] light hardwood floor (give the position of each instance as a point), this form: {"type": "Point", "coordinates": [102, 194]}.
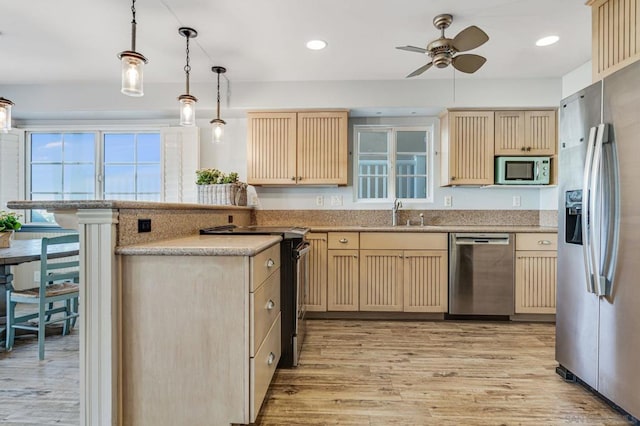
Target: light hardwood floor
{"type": "Point", "coordinates": [360, 373]}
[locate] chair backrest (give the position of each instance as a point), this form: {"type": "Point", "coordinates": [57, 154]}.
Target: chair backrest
{"type": "Point", "coordinates": [55, 271]}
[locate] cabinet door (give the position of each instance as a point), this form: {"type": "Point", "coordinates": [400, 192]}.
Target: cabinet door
{"type": "Point", "coordinates": [535, 282]}
{"type": "Point", "coordinates": [342, 280]}
{"type": "Point", "coordinates": [271, 148]}
{"type": "Point", "coordinates": [425, 281]}
{"type": "Point", "coordinates": [317, 293]}
{"type": "Point", "coordinates": [381, 280]}
{"type": "Point", "coordinates": [471, 147]}
{"type": "Point", "coordinates": [509, 133]}
{"type": "Point", "coordinates": [540, 132]}
{"type": "Point", "coordinates": [322, 148]}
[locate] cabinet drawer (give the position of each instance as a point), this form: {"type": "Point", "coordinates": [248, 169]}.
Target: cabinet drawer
{"type": "Point", "coordinates": [265, 307]}
{"type": "Point", "coordinates": [262, 367]}
{"type": "Point", "coordinates": [537, 241]}
{"type": "Point", "coordinates": [264, 264]}
{"type": "Point", "coordinates": [403, 241]}
{"type": "Point", "coordinates": [343, 240]}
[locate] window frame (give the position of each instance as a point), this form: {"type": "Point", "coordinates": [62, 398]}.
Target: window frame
{"type": "Point", "coordinates": [98, 155]}
{"type": "Point", "coordinates": [392, 153]}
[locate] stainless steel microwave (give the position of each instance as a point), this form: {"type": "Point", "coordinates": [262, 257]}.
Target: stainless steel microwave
{"type": "Point", "coordinates": [522, 170]}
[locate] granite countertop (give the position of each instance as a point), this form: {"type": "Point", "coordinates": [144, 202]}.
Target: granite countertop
{"type": "Point", "coordinates": [203, 245]}
{"type": "Point", "coordinates": [116, 204]}
{"type": "Point", "coordinates": [434, 228]}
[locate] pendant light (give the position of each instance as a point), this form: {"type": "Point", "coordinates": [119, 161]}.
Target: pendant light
{"type": "Point", "coordinates": [218, 124]}
{"type": "Point", "coordinates": [132, 63]}
{"type": "Point", "coordinates": [5, 114]}
{"type": "Point", "coordinates": [187, 102]}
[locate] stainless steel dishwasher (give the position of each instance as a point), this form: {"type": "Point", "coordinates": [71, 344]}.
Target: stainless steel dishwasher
{"type": "Point", "coordinates": [481, 274]}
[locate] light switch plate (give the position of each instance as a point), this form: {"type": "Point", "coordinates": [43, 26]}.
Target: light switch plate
{"type": "Point", "coordinates": [336, 200]}
{"type": "Point", "coordinates": [319, 200]}
{"type": "Point", "coordinates": [516, 201]}
{"type": "Point", "coordinates": [448, 200]}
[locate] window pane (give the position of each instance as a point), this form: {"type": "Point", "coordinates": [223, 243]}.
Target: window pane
{"type": "Point", "coordinates": [46, 178]}
{"type": "Point", "coordinates": [119, 148]}
{"type": "Point", "coordinates": [411, 141]}
{"type": "Point", "coordinates": [373, 142]}
{"type": "Point", "coordinates": [411, 187]}
{"type": "Point", "coordinates": [149, 148]}
{"type": "Point", "coordinates": [79, 178]}
{"type": "Point", "coordinates": [46, 147]}
{"type": "Point", "coordinates": [79, 147]}
{"type": "Point", "coordinates": [148, 178]}
{"type": "Point", "coordinates": [148, 197]}
{"type": "Point", "coordinates": [119, 179]}
{"type": "Point", "coordinates": [119, 196]}
{"type": "Point", "coordinates": [411, 164]}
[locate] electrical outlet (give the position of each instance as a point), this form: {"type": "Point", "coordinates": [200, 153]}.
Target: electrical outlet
{"type": "Point", "coordinates": [448, 200]}
{"type": "Point", "coordinates": [319, 200]}
{"type": "Point", "coordinates": [516, 201]}
{"type": "Point", "coordinates": [336, 200]}
{"type": "Point", "coordinates": [144, 225]}
{"type": "Point", "coordinates": [36, 276]}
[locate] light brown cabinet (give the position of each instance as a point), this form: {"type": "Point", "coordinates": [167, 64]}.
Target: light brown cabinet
{"type": "Point", "coordinates": [297, 148]}
{"type": "Point", "coordinates": [342, 280]}
{"type": "Point", "coordinates": [316, 300]}
{"type": "Point", "coordinates": [381, 286]}
{"type": "Point", "coordinates": [425, 280]}
{"type": "Point", "coordinates": [615, 35]}
{"type": "Point", "coordinates": [536, 265]}
{"type": "Point", "coordinates": [525, 132]}
{"type": "Point", "coordinates": [467, 148]}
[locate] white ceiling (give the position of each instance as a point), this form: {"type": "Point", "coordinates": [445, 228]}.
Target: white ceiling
{"type": "Point", "coordinates": [45, 41]}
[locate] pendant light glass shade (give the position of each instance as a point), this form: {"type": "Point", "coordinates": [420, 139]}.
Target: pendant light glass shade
{"type": "Point", "coordinates": [218, 123]}
{"type": "Point", "coordinates": [187, 102]}
{"type": "Point", "coordinates": [132, 63]}
{"type": "Point", "coordinates": [5, 114]}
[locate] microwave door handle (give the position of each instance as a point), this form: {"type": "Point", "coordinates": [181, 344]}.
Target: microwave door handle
{"type": "Point", "coordinates": [586, 213]}
{"type": "Point", "coordinates": [537, 170]}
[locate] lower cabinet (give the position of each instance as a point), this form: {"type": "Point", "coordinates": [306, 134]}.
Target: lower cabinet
{"type": "Point", "coordinates": [316, 297]}
{"type": "Point", "coordinates": [425, 279]}
{"type": "Point", "coordinates": [201, 337]}
{"type": "Point", "coordinates": [381, 286]}
{"type": "Point", "coordinates": [536, 260]}
{"type": "Point", "coordinates": [342, 280]}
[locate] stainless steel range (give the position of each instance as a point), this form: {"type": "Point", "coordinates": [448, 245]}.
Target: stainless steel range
{"type": "Point", "coordinates": [294, 282]}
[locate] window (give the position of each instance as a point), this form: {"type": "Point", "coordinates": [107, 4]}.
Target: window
{"type": "Point", "coordinates": [393, 163]}
{"type": "Point", "coordinates": [93, 165]}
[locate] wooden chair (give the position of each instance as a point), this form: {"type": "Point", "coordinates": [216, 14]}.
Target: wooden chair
{"type": "Point", "coordinates": [58, 283]}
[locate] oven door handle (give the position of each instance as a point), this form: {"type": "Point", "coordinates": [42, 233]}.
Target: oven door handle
{"type": "Point", "coordinates": [302, 249]}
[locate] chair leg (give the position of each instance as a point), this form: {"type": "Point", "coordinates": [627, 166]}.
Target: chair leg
{"type": "Point", "coordinates": [67, 322]}
{"type": "Point", "coordinates": [41, 331]}
{"type": "Point", "coordinates": [9, 333]}
{"type": "Point", "coordinates": [50, 308]}
{"type": "Point", "coordinates": [75, 310]}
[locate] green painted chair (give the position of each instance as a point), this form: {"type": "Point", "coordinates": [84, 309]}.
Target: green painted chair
{"type": "Point", "coordinates": [58, 283]}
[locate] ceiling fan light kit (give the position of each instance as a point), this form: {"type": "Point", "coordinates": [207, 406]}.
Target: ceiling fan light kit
{"type": "Point", "coordinates": [443, 51]}
{"type": "Point", "coordinates": [132, 63]}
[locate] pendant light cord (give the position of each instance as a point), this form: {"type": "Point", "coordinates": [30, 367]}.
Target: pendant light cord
{"type": "Point", "coordinates": [187, 67]}
{"type": "Point", "coordinates": [218, 109]}
{"type": "Point", "coordinates": [133, 26]}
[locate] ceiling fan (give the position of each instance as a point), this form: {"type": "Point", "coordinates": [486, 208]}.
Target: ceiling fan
{"type": "Point", "coordinates": [443, 50]}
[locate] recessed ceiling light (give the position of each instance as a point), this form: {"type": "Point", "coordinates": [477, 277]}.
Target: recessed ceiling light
{"type": "Point", "coordinates": [316, 44]}
{"type": "Point", "coordinates": [547, 41]}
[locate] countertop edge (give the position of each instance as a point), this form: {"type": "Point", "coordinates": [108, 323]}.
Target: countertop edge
{"type": "Point", "coordinates": [157, 249]}
{"type": "Point", "coordinates": [117, 204]}
{"type": "Point", "coordinates": [436, 228]}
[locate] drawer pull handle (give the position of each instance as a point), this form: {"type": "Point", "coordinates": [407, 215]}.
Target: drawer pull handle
{"type": "Point", "coordinates": [271, 304]}
{"type": "Point", "coordinates": [270, 263]}
{"type": "Point", "coordinates": [271, 359]}
{"type": "Point", "coordinates": [344, 240]}
{"type": "Point", "coordinates": [544, 242]}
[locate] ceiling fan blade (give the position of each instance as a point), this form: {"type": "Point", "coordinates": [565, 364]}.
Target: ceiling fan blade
{"type": "Point", "coordinates": [420, 70]}
{"type": "Point", "coordinates": [468, 63]}
{"type": "Point", "coordinates": [412, 49]}
{"type": "Point", "coordinates": [469, 38]}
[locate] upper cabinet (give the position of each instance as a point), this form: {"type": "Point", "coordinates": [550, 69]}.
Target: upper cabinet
{"type": "Point", "coordinates": [297, 148]}
{"type": "Point", "coordinates": [616, 35]}
{"type": "Point", "coordinates": [467, 139]}
{"type": "Point", "coordinates": [525, 132]}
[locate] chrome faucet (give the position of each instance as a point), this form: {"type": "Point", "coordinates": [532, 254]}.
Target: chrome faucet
{"type": "Point", "coordinates": [421, 219]}
{"type": "Point", "coordinates": [397, 204]}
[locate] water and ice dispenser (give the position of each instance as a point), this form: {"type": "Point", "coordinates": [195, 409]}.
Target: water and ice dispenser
{"type": "Point", "coordinates": [573, 216]}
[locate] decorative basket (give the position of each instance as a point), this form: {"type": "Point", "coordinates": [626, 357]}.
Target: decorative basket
{"type": "Point", "coordinates": [5, 239]}
{"type": "Point", "coordinates": [224, 194]}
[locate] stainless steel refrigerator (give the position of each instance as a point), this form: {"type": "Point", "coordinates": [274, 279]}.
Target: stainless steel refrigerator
{"type": "Point", "coordinates": [598, 296]}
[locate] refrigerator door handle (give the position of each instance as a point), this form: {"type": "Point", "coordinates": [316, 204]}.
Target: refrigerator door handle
{"type": "Point", "coordinates": [595, 210]}
{"type": "Point", "coordinates": [586, 210]}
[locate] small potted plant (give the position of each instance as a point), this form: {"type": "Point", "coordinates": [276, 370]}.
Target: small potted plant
{"type": "Point", "coordinates": [8, 224]}
{"type": "Point", "coordinates": [216, 187]}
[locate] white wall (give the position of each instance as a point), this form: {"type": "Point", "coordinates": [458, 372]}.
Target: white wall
{"type": "Point", "coordinates": [577, 79]}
